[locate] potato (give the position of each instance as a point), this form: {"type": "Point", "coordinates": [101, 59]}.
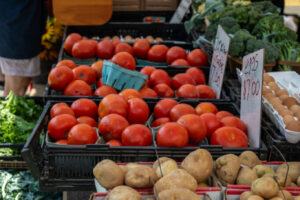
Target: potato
{"type": "Point", "coordinates": [203, 184]}
{"type": "Point", "coordinates": [178, 194]}
{"type": "Point", "coordinates": [245, 195]}
{"type": "Point", "coordinates": [261, 170]}
{"type": "Point", "coordinates": [281, 179]}
{"type": "Point", "coordinates": [177, 178]}
{"type": "Point", "coordinates": [227, 168]}
{"type": "Point", "coordinates": [167, 165]}
{"type": "Point", "coordinates": [249, 159]}
{"type": "Point", "coordinates": [108, 174]}
{"type": "Point", "coordinates": [294, 185]}
{"type": "Point", "coordinates": [294, 170]}
{"type": "Point", "coordinates": [199, 164]}
{"type": "Point", "coordinates": [139, 177]}
{"type": "Point", "coordinates": [246, 176]}
{"type": "Point", "coordinates": [276, 198]}
{"type": "Point", "coordinates": [132, 165]}
{"type": "Point", "coordinates": [255, 197]}
{"type": "Point", "coordinates": [265, 187]}
{"type": "Point", "coordinates": [297, 197]}
{"type": "Point", "coordinates": [123, 193]}
{"type": "Point", "coordinates": [298, 181]}
{"type": "Point", "coordinates": [124, 168]}
{"type": "Point", "coordinates": [285, 195]}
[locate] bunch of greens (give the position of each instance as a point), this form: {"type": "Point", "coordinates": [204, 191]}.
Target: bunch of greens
{"type": "Point", "coordinates": [18, 117]}
{"type": "Point", "coordinates": [20, 185]}
{"type": "Point", "coordinates": [289, 51]}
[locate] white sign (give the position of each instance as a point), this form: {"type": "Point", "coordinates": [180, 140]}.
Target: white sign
{"type": "Point", "coordinates": [252, 75]}
{"type": "Point", "coordinates": [180, 11]}
{"type": "Point", "coordinates": [219, 60]}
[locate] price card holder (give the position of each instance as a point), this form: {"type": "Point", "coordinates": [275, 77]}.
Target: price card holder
{"type": "Point", "coordinates": [252, 75]}
{"type": "Point", "coordinates": [180, 11]}
{"type": "Point", "coordinates": [219, 60]}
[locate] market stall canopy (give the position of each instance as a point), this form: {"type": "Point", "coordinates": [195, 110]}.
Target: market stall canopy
{"type": "Point", "coordinates": [82, 12]}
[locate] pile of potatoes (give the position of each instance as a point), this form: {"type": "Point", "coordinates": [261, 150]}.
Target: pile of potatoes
{"type": "Point", "coordinates": [170, 181]}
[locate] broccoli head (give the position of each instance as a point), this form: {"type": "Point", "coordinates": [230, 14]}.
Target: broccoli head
{"type": "Point", "coordinates": [211, 31]}
{"type": "Point", "coordinates": [271, 51]}
{"type": "Point", "coordinates": [238, 43]}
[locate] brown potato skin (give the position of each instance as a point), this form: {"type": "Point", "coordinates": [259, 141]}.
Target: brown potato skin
{"type": "Point", "coordinates": [108, 174]}
{"type": "Point", "coordinates": [255, 197]}
{"type": "Point", "coordinates": [265, 187]}
{"type": "Point", "coordinates": [245, 195]}
{"type": "Point", "coordinates": [298, 181]}
{"type": "Point", "coordinates": [227, 168]}
{"type": "Point", "coordinates": [287, 195]}
{"type": "Point", "coordinates": [246, 176]}
{"type": "Point", "coordinates": [178, 194]}
{"type": "Point", "coordinates": [261, 170]}
{"type": "Point", "coordinates": [138, 177]}
{"type": "Point", "coordinates": [167, 165]}
{"type": "Point", "coordinates": [294, 170]}
{"type": "Point", "coordinates": [177, 178]}
{"type": "Point", "coordinates": [199, 164]}
{"type": "Point", "coordinates": [123, 193]}
{"type": "Point", "coordinates": [297, 197]}
{"type": "Point", "coordinates": [281, 179]}
{"type": "Point", "coordinates": [249, 159]}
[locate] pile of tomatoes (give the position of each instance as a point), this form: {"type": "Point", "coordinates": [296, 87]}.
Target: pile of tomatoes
{"type": "Point", "coordinates": [81, 48]}
{"type": "Point", "coordinates": [122, 121]}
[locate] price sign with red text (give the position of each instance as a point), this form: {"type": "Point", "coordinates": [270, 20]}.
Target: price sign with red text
{"type": "Point", "coordinates": [252, 75]}
{"type": "Point", "coordinates": [218, 63]}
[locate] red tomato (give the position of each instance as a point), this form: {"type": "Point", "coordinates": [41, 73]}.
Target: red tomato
{"type": "Point", "coordinates": [163, 107]}
{"type": "Point", "coordinates": [205, 92]}
{"type": "Point", "coordinates": [85, 73]}
{"type": "Point", "coordinates": [97, 67]}
{"type": "Point", "coordinates": [138, 111]}
{"type": "Point", "coordinates": [84, 107]}
{"type": "Point", "coordinates": [233, 121]}
{"type": "Point", "coordinates": [148, 93]}
{"type": "Point", "coordinates": [175, 53]}
{"type": "Point", "coordinates": [125, 60]}
{"type": "Point", "coordinates": [62, 142]}
{"type": "Point", "coordinates": [229, 137]}
{"type": "Point", "coordinates": [59, 125]}
{"type": "Point", "coordinates": [123, 47]}
{"type": "Point", "coordinates": [197, 75]}
{"type": "Point", "coordinates": [114, 143]}
{"type": "Point", "coordinates": [180, 62]}
{"type": "Point", "coordinates": [130, 93]}
{"type": "Point", "coordinates": [147, 71]}
{"type": "Point", "coordinates": [70, 41]}
{"type": "Point", "coordinates": [67, 63]}
{"type": "Point", "coordinates": [82, 134]}
{"type": "Point", "coordinates": [197, 57]}
{"type": "Point", "coordinates": [141, 48]}
{"type": "Point", "coordinates": [61, 108]}
{"type": "Point", "coordinates": [180, 79]}
{"type": "Point", "coordinates": [159, 76]}
{"type": "Point", "coordinates": [111, 126]}
{"type": "Point", "coordinates": [136, 135]}
{"type": "Point", "coordinates": [195, 126]}
{"type": "Point", "coordinates": [112, 103]}
{"type": "Point", "coordinates": [105, 90]}
{"type": "Point", "coordinates": [221, 114]}
{"type": "Point", "coordinates": [212, 123]}
{"type": "Point", "coordinates": [60, 77]}
{"type": "Point", "coordinates": [99, 83]}
{"type": "Point", "coordinates": [157, 53]}
{"type": "Point", "coordinates": [158, 20]}
{"type": "Point", "coordinates": [148, 19]}
{"type": "Point", "coordinates": [179, 110]}
{"type": "Point", "coordinates": [87, 120]}
{"type": "Point", "coordinates": [78, 88]}
{"type": "Point", "coordinates": [115, 42]}
{"type": "Point", "coordinates": [105, 49]}
{"type": "Point", "coordinates": [83, 49]}
{"type": "Point", "coordinates": [163, 90]}
{"type": "Point", "coordinates": [206, 107]}
{"type": "Point", "coordinates": [160, 121]}
{"type": "Point", "coordinates": [172, 134]}
{"type": "Point", "coordinates": [187, 91]}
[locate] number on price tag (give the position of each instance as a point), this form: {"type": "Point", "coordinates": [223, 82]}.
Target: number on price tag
{"type": "Point", "coordinates": [252, 74]}
{"type": "Point", "coordinates": [218, 63]}
{"type": "Point", "coordinates": [180, 11]}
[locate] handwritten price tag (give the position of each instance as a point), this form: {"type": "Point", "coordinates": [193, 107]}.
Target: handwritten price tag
{"type": "Point", "coordinates": [218, 63]}
{"type": "Point", "coordinates": [252, 74]}
{"type": "Point", "coordinates": [180, 12]}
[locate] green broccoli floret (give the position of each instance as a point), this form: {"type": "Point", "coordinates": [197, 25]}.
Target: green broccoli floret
{"type": "Point", "coordinates": [271, 51]}
{"type": "Point", "coordinates": [211, 31]}
{"type": "Point", "coordinates": [266, 7]}
{"type": "Point", "coordinates": [238, 43]}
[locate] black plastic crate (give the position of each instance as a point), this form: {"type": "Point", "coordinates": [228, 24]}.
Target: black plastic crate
{"type": "Point", "coordinates": [138, 16]}
{"type": "Point", "coordinates": [62, 168]}
{"type": "Point", "coordinates": [18, 147]}
{"type": "Point", "coordinates": [232, 88]}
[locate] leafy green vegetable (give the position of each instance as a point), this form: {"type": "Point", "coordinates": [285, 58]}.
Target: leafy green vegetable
{"type": "Point", "coordinates": [7, 152]}
{"type": "Point", "coordinates": [289, 51]}
{"type": "Point", "coordinates": [18, 117]}
{"type": "Point", "coordinates": [20, 185]}
{"type": "Point", "coordinates": [238, 43]}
